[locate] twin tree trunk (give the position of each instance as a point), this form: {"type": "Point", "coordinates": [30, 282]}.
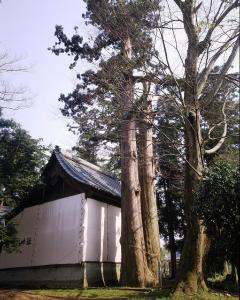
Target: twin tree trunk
{"type": "Point", "coordinates": [147, 182]}
{"type": "Point", "coordinates": [140, 237]}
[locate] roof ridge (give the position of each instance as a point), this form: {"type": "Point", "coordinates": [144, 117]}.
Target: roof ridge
{"type": "Point", "coordinates": [79, 160]}
{"type": "Point", "coordinates": [88, 173]}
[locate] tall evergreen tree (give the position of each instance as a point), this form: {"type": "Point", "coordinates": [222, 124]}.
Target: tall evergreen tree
{"type": "Point", "coordinates": [124, 31]}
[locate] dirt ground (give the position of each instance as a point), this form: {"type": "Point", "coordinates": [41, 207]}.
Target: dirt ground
{"type": "Point", "coordinates": [17, 295]}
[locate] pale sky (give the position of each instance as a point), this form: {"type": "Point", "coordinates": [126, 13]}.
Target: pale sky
{"type": "Point", "coordinates": [27, 29]}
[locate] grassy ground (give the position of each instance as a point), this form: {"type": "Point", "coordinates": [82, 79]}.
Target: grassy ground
{"type": "Point", "coordinates": [118, 293]}
{"type": "Point", "coordinates": [219, 291]}
{"type": "Point", "coordinates": [223, 283]}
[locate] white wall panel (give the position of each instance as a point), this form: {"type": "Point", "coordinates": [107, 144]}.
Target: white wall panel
{"type": "Point", "coordinates": [102, 232]}
{"type": "Point", "coordinates": [55, 231]}
{"type": "Point", "coordinates": [67, 231]}
{"type": "Point", "coordinates": [57, 239]}
{"type": "Point", "coordinates": [114, 234]}
{"type": "Point", "coordinates": [26, 222]}
{"type": "Point", "coordinates": [95, 243]}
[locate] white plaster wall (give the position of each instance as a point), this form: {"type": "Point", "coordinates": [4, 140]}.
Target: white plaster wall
{"type": "Point", "coordinates": [114, 234]}
{"type": "Point", "coordinates": [55, 232]}
{"type": "Point", "coordinates": [102, 231]}
{"type": "Point", "coordinates": [57, 238]}
{"type": "Point", "coordinates": [67, 231]}
{"type": "Point", "coordinates": [26, 229]}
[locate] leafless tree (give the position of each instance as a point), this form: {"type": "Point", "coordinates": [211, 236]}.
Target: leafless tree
{"type": "Point", "coordinates": [199, 35]}
{"type": "Point", "coordinates": [12, 97]}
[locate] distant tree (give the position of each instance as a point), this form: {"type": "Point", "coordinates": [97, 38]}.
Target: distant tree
{"type": "Point", "coordinates": [169, 148]}
{"type": "Point", "coordinates": [171, 218]}
{"type": "Point", "coordinates": [21, 159]}
{"type": "Point", "coordinates": [9, 241]}
{"type": "Point", "coordinates": [217, 205]}
{"type": "Point", "coordinates": [12, 97]}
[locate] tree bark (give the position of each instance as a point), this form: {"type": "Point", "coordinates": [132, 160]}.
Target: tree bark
{"type": "Point", "coordinates": [170, 225]}
{"type": "Point", "coordinates": [172, 243]}
{"type": "Point", "coordinates": [134, 270]}
{"type": "Point", "coordinates": [147, 183]}
{"type": "Point", "coordinates": [173, 260]}
{"type": "Point", "coordinates": [225, 267]}
{"type": "Point", "coordinates": [190, 276]}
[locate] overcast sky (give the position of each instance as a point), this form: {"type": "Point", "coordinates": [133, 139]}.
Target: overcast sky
{"type": "Point", "coordinates": [27, 29]}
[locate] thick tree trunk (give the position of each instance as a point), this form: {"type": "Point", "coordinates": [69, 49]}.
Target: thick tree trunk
{"type": "Point", "coordinates": [148, 196]}
{"type": "Point", "coordinates": [134, 270]}
{"type": "Point", "coordinates": [190, 276]}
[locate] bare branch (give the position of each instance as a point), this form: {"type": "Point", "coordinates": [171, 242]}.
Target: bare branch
{"type": "Point", "coordinates": [12, 97]}
{"type": "Point", "coordinates": [205, 73]}
{"type": "Point", "coordinates": [169, 67]}
{"type": "Point", "coordinates": [216, 21]}
{"type": "Point", "coordinates": [224, 135]}
{"type": "Point", "coordinates": [225, 69]}
{"type": "Point", "coordinates": [180, 4]}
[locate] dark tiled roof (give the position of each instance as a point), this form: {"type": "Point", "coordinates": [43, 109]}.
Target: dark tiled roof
{"type": "Point", "coordinates": [89, 174]}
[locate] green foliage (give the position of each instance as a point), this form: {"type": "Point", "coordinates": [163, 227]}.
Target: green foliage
{"type": "Point", "coordinates": [8, 238]}
{"type": "Point", "coordinates": [217, 205]}
{"type": "Point", "coordinates": [21, 158]}
{"type": "Point", "coordinates": [223, 282]}
{"type": "Point", "coordinates": [170, 182]}
{"type": "Point", "coordinates": [164, 253]}
{"type": "Point", "coordinates": [95, 104]}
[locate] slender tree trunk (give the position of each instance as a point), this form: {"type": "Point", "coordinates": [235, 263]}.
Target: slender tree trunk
{"type": "Point", "coordinates": [172, 243]}
{"type": "Point", "coordinates": [134, 270]}
{"type": "Point", "coordinates": [173, 263]}
{"type": "Point", "coordinates": [225, 267]}
{"type": "Point", "coordinates": [235, 274]}
{"type": "Point", "coordinates": [147, 183]}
